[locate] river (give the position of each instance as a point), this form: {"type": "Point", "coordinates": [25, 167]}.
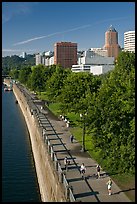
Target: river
{"type": "Point", "coordinates": [19, 181]}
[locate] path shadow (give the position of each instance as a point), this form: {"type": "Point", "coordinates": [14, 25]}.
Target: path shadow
{"type": "Point", "coordinates": [74, 179]}
{"type": "Point", "coordinates": [72, 167]}
{"type": "Point", "coordinates": [93, 176]}
{"type": "Point", "coordinates": [91, 166]}
{"type": "Point", "coordinates": [130, 189]}
{"type": "Point", "coordinates": [80, 195]}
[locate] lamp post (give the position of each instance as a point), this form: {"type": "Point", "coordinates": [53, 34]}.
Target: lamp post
{"type": "Point", "coordinates": [83, 133]}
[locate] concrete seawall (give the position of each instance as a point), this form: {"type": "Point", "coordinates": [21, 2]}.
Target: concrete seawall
{"type": "Point", "coordinates": [51, 189]}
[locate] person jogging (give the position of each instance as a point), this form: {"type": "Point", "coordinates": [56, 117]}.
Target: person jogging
{"type": "Point", "coordinates": [98, 170]}
{"type": "Point", "coordinates": [109, 186]}
{"type": "Point", "coordinates": [82, 170]}
{"type": "Point", "coordinates": [66, 162]}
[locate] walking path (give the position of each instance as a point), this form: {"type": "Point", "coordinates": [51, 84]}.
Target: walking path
{"type": "Point", "coordinates": [89, 189]}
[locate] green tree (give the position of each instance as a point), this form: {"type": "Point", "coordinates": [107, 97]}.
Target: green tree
{"type": "Point", "coordinates": [56, 82]}
{"type": "Point", "coordinates": [24, 74]}
{"type": "Point", "coordinates": [112, 113]}
{"type": "Point", "coordinates": [77, 91]}
{"type": "Point", "coordinates": [14, 73]}
{"type": "Point", "coordinates": [37, 78]}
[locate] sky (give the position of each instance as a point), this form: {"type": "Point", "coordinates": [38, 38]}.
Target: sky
{"type": "Point", "coordinates": [34, 27]}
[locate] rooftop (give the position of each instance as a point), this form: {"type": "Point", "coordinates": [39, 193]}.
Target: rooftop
{"type": "Point", "coordinates": [112, 29]}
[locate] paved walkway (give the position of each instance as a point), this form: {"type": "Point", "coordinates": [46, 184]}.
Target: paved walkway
{"type": "Point", "coordinates": [91, 189]}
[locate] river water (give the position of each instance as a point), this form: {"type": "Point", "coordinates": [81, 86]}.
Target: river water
{"type": "Point", "coordinates": [19, 181]}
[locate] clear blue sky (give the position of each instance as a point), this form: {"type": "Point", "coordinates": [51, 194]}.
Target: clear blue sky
{"type": "Point", "coordinates": [35, 26]}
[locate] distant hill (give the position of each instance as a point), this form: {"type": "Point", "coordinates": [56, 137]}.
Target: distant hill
{"type": "Point", "coordinates": [16, 62]}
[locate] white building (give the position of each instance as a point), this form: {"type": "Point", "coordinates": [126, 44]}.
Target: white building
{"type": "Point", "coordinates": [100, 69]}
{"type": "Point", "coordinates": [100, 51]}
{"type": "Point", "coordinates": [129, 41]}
{"type": "Point", "coordinates": [51, 60]}
{"type": "Point", "coordinates": [93, 63]}
{"type": "Point", "coordinates": [38, 57]}
{"type": "Point", "coordinates": [24, 54]}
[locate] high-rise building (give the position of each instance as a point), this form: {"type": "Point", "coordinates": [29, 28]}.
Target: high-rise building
{"type": "Point", "coordinates": [38, 58]}
{"type": "Point", "coordinates": [65, 54]}
{"type": "Point", "coordinates": [111, 42]}
{"type": "Point", "coordinates": [129, 41]}
{"type": "Point", "coordinates": [24, 54]}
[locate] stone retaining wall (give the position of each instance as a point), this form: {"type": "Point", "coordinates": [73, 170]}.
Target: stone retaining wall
{"type": "Point", "coordinates": [51, 189]}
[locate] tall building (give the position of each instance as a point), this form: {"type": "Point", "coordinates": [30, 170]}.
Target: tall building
{"type": "Point", "coordinates": [38, 58]}
{"type": "Point", "coordinates": [129, 41]}
{"type": "Point", "coordinates": [65, 54]}
{"type": "Point", "coordinates": [24, 54]}
{"type": "Point", "coordinates": [111, 42]}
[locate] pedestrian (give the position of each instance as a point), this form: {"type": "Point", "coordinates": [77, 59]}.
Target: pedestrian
{"type": "Point", "coordinates": [82, 169]}
{"type": "Point", "coordinates": [98, 170]}
{"type": "Point", "coordinates": [66, 162]}
{"type": "Point", "coordinates": [67, 123]}
{"type": "Point", "coordinates": [109, 186]}
{"type": "Point", "coordinates": [71, 138]}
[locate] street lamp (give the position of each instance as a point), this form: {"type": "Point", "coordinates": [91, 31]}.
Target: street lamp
{"type": "Point", "coordinates": [84, 130]}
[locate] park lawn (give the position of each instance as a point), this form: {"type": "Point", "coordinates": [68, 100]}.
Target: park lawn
{"type": "Point", "coordinates": [126, 183]}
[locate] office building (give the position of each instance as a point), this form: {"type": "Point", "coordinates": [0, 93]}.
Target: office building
{"type": "Point", "coordinates": [93, 63]}
{"type": "Point", "coordinates": [24, 54]}
{"type": "Point", "coordinates": [65, 54]}
{"type": "Point", "coordinates": [111, 42]}
{"type": "Point", "coordinates": [129, 41]}
{"type": "Point", "coordinates": [38, 58]}
{"type": "Point", "coordinates": [100, 51]}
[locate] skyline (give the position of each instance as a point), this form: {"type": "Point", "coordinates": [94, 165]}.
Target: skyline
{"type": "Point", "coordinates": [36, 26]}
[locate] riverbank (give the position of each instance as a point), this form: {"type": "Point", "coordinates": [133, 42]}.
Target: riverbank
{"type": "Point", "coordinates": [50, 188]}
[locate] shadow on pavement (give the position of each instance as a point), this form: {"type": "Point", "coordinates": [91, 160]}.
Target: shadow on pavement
{"type": "Point", "coordinates": [130, 189]}
{"type": "Point", "coordinates": [86, 194]}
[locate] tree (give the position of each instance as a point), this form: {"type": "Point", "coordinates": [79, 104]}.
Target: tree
{"type": "Point", "coordinates": [56, 82]}
{"type": "Point", "coordinates": [37, 78]}
{"type": "Point", "coordinates": [112, 114]}
{"type": "Point", "coordinates": [24, 74]}
{"type": "Point", "coordinates": [77, 91]}
{"type": "Point", "coordinates": [14, 73]}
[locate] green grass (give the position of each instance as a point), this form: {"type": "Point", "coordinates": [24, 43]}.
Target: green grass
{"type": "Point", "coordinates": [42, 96]}
{"type": "Point", "coordinates": [55, 108]}
{"type": "Point", "coordinates": [124, 181]}
{"type": "Point", "coordinates": [127, 183]}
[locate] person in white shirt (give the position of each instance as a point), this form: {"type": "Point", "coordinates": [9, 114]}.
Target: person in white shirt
{"type": "Point", "coordinates": [82, 169]}
{"type": "Point", "coordinates": [66, 162]}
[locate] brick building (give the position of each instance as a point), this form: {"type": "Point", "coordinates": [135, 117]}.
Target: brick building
{"type": "Point", "coordinates": [65, 54]}
{"type": "Point", "coordinates": [111, 42]}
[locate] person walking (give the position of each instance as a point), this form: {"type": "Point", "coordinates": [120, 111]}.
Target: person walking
{"type": "Point", "coordinates": [71, 138]}
{"type": "Point", "coordinates": [66, 163]}
{"type": "Point", "coordinates": [98, 170]}
{"type": "Point", "coordinates": [82, 170]}
{"type": "Point", "coordinates": [109, 186]}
